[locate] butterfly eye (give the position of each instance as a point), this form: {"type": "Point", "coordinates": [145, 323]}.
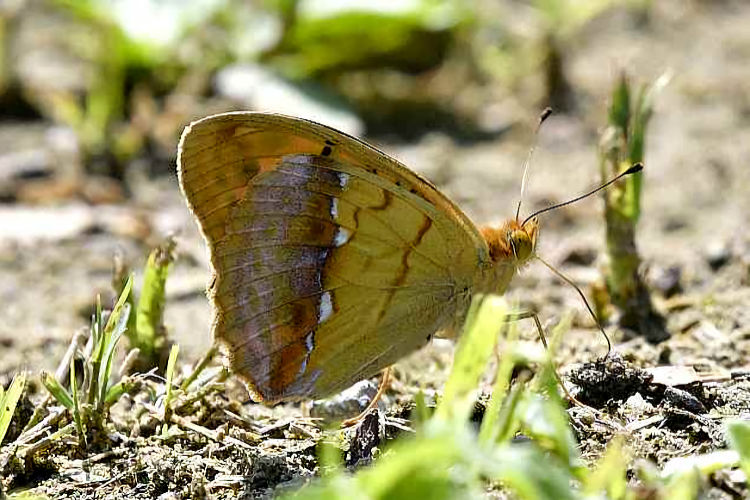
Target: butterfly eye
{"type": "Point", "coordinates": [509, 238]}
{"type": "Point", "coordinates": [521, 243]}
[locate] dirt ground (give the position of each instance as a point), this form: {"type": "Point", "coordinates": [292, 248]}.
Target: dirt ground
{"type": "Point", "coordinates": [696, 206]}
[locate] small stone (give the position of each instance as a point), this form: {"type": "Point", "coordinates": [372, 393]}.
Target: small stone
{"type": "Point", "coordinates": [347, 404]}
{"type": "Point", "coordinates": [674, 223]}
{"type": "Point", "coordinates": [636, 402]}
{"type": "Point", "coordinates": [717, 255]}
{"type": "Point", "coordinates": [667, 280]}
{"type": "Point", "coordinates": [580, 257]}
{"type": "Point", "coordinates": [684, 400]}
{"type": "Point", "coordinates": [708, 334]}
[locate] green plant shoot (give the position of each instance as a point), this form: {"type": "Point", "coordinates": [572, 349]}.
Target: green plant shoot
{"type": "Point", "coordinates": [622, 145]}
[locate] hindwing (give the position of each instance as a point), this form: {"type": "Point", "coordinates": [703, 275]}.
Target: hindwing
{"type": "Point", "coordinates": [331, 260]}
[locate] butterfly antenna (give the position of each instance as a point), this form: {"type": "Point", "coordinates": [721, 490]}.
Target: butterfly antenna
{"type": "Point", "coordinates": [583, 297]}
{"type": "Point", "coordinates": [542, 117]}
{"type": "Point", "coordinates": [637, 167]}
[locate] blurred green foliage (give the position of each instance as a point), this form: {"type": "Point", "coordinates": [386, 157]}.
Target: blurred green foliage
{"type": "Point", "coordinates": [113, 61]}
{"type": "Point", "coordinates": [535, 457]}
{"type": "Point", "coordinates": [524, 445]}
{"type": "Point", "coordinates": [144, 69]}
{"type": "Point", "coordinates": [319, 40]}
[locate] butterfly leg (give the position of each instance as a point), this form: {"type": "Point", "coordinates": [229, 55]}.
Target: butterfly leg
{"type": "Point", "coordinates": [382, 387]}
{"type": "Point", "coordinates": [540, 330]}
{"type": "Point", "coordinates": [526, 315]}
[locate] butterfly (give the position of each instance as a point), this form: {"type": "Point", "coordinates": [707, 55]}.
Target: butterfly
{"type": "Point", "coordinates": [330, 259]}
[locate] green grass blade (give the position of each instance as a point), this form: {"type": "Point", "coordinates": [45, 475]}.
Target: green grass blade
{"type": "Point", "coordinates": [491, 424]}
{"type": "Point", "coordinates": [97, 326]}
{"type": "Point", "coordinates": [171, 366]}
{"type": "Point", "coordinates": [738, 433]}
{"type": "Point", "coordinates": [114, 318]}
{"type": "Point", "coordinates": [98, 320]}
{"type": "Point", "coordinates": [545, 420]}
{"type": "Point", "coordinates": [329, 459]}
{"type": "Point", "coordinates": [619, 111]}
{"type": "Point", "coordinates": [8, 402]}
{"type": "Point", "coordinates": [119, 279]}
{"type": "Point", "coordinates": [109, 352]}
{"type": "Point", "coordinates": [682, 476]}
{"type": "Point", "coordinates": [116, 323]}
{"type": "Point", "coordinates": [420, 414]}
{"type": "Point", "coordinates": [58, 391]}
{"type": "Point", "coordinates": [530, 473]}
{"type": "Point", "coordinates": [440, 466]}
{"type": "Point", "coordinates": [707, 463]}
{"type": "Point", "coordinates": [77, 418]}
{"type": "Point", "coordinates": [202, 364]}
{"type": "Point", "coordinates": [508, 420]}
{"type": "Point", "coordinates": [117, 390]}
{"type": "Point", "coordinates": [481, 331]}
{"type": "Point", "coordinates": [609, 475]}
{"type": "Point", "coordinates": [102, 341]}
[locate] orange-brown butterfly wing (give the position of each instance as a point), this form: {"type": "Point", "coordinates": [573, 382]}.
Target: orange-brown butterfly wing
{"type": "Point", "coordinates": [331, 260]}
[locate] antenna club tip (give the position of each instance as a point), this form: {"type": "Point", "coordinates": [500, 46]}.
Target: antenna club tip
{"type": "Point", "coordinates": [545, 114]}
{"type": "Point", "coordinates": [636, 167]}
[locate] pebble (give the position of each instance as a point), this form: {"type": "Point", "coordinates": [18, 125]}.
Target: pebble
{"type": "Point", "coordinates": [347, 404]}
{"type": "Point", "coordinates": [684, 400]}
{"type": "Point", "coordinates": [667, 280]}
{"type": "Point", "coordinates": [717, 255]}
{"type": "Point", "coordinates": [638, 404]}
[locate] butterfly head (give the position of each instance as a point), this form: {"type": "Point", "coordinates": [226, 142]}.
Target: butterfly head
{"type": "Point", "coordinates": [522, 240]}
{"type": "Point", "coordinates": [513, 242]}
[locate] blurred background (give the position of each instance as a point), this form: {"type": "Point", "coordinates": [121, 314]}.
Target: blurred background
{"type": "Point", "coordinates": [95, 93]}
